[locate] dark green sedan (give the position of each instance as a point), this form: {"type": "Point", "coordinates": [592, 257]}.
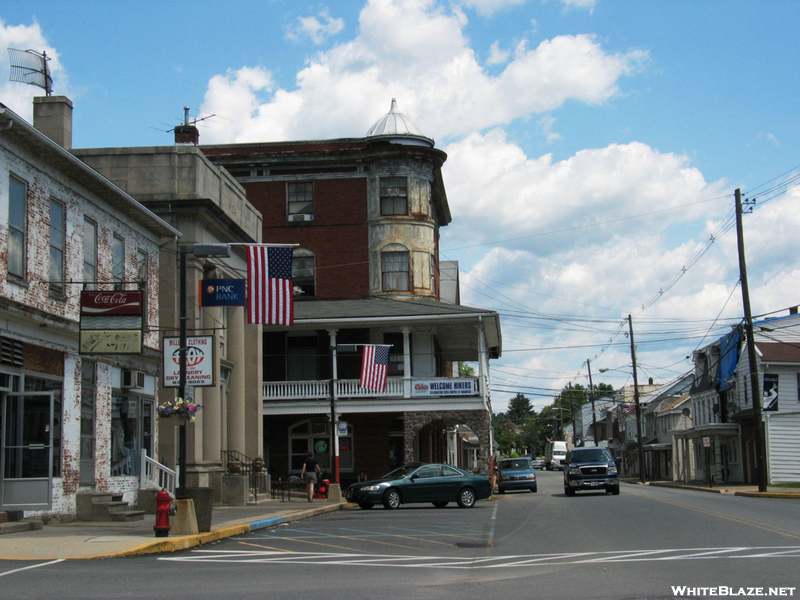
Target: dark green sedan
{"type": "Point", "coordinates": [422, 482]}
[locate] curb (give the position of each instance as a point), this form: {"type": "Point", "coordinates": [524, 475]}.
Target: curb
{"type": "Point", "coordinates": [190, 541]}
{"type": "Point", "coordinates": [722, 490]}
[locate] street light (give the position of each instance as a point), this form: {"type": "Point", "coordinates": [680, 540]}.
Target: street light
{"type": "Point", "coordinates": [203, 251]}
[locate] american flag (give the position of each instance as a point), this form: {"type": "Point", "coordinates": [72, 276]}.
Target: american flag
{"type": "Point", "coordinates": [374, 367]}
{"type": "Point", "coordinates": [270, 298]}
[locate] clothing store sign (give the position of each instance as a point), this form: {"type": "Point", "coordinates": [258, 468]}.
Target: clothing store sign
{"type": "Point", "coordinates": [428, 388]}
{"type": "Point", "coordinates": [199, 361]}
{"type": "Point", "coordinates": [111, 322]}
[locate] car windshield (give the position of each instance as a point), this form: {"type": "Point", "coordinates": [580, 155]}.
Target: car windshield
{"type": "Point", "coordinates": [401, 472]}
{"type": "Point", "coordinates": [591, 455]}
{"type": "Point", "coordinates": [515, 463]}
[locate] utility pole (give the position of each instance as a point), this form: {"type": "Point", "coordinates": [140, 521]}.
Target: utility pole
{"type": "Point", "coordinates": [591, 399]}
{"type": "Point", "coordinates": [761, 462]}
{"type": "Point", "coordinates": [636, 401]}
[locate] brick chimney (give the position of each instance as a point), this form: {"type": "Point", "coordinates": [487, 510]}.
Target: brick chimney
{"type": "Point", "coordinates": [52, 115]}
{"type": "Point", "coordinates": [188, 132]}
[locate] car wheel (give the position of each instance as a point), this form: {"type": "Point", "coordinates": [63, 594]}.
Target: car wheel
{"type": "Point", "coordinates": [467, 498]}
{"type": "Point", "coordinates": [569, 491]}
{"type": "Point", "coordinates": [366, 505]}
{"type": "Point", "coordinates": [440, 504]}
{"type": "Point", "coordinates": [501, 489]}
{"type": "Point", "coordinates": [615, 490]}
{"type": "Point", "coordinates": [391, 499]}
{"type": "Point", "coordinates": [533, 489]}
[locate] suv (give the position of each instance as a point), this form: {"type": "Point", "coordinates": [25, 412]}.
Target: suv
{"type": "Point", "coordinates": [590, 469]}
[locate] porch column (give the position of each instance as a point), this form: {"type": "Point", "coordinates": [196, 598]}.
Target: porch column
{"type": "Point", "coordinates": [406, 362]}
{"type": "Point", "coordinates": [208, 419]}
{"type": "Point", "coordinates": [236, 387]}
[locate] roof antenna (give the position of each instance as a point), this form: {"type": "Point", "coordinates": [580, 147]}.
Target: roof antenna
{"type": "Point", "coordinates": [28, 66]}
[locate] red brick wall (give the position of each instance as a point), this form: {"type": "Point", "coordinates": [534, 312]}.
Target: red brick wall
{"type": "Point", "coordinates": [338, 236]}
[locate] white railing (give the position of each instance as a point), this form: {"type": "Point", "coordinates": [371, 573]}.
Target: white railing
{"type": "Point", "coordinates": [345, 388]}
{"type": "Point", "coordinates": [155, 476]}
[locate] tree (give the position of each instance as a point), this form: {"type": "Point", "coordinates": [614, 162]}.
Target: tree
{"type": "Point", "coordinates": [465, 370]}
{"type": "Point", "coordinates": [519, 409]}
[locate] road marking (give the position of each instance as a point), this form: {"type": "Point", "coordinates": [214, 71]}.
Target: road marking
{"type": "Point", "coordinates": [720, 515]}
{"type": "Point", "coordinates": [493, 562]}
{"type": "Point", "coordinates": [52, 562]}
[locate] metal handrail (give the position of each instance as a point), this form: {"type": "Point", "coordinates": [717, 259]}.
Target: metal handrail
{"type": "Point", "coordinates": [256, 485]}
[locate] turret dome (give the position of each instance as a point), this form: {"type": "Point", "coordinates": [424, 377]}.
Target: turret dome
{"type": "Point", "coordinates": [396, 128]}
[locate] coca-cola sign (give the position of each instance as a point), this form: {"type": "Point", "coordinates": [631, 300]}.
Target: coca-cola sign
{"type": "Point", "coordinates": [114, 303]}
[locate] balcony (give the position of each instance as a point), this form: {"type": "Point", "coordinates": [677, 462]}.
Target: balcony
{"type": "Point", "coordinates": [396, 388]}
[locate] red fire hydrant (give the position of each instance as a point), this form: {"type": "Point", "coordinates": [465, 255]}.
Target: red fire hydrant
{"type": "Point", "coordinates": [163, 510]}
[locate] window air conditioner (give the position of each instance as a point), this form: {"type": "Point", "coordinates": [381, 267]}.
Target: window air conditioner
{"type": "Point", "coordinates": [132, 379]}
{"type": "Point", "coordinates": [302, 217]}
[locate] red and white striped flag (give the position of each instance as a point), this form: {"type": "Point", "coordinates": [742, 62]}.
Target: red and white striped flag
{"type": "Point", "coordinates": [270, 297]}
{"type": "Point", "coordinates": [374, 367]}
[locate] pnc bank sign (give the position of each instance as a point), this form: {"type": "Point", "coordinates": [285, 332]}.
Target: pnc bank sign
{"type": "Point", "coordinates": [222, 292]}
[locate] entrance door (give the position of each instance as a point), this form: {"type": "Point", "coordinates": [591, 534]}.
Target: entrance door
{"type": "Point", "coordinates": [27, 451]}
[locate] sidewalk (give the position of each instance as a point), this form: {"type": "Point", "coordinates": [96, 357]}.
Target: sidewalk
{"type": "Point", "coordinates": [106, 540]}
{"type": "Point", "coordinates": [737, 489]}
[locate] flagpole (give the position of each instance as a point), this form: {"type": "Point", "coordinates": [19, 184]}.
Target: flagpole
{"type": "Point", "coordinates": [334, 423]}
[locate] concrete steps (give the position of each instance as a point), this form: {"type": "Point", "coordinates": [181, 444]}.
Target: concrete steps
{"type": "Point", "coordinates": [100, 506]}
{"type": "Point", "coordinates": [13, 523]}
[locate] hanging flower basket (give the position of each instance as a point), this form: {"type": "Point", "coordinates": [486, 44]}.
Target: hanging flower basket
{"type": "Point", "coordinates": [186, 409]}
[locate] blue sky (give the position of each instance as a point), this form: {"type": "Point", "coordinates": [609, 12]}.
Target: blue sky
{"type": "Point", "coordinates": [593, 146]}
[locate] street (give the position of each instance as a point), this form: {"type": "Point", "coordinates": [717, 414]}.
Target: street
{"type": "Point", "coordinates": [648, 542]}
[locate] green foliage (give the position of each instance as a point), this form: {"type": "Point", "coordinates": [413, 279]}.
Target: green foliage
{"type": "Point", "coordinates": [465, 370]}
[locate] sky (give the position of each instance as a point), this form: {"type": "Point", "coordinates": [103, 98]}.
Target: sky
{"type": "Point", "coordinates": [594, 146]}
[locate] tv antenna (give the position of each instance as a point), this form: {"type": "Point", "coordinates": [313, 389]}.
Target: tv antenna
{"type": "Point", "coordinates": [28, 66]}
{"type": "Point", "coordinates": [186, 119]}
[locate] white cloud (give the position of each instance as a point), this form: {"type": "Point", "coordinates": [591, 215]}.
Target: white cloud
{"type": "Point", "coordinates": [450, 96]}
{"type": "Point", "coordinates": [496, 55]}
{"type": "Point", "coordinates": [19, 96]}
{"type": "Point", "coordinates": [587, 4]}
{"type": "Point", "coordinates": [317, 29]}
{"type": "Point", "coordinates": [489, 7]}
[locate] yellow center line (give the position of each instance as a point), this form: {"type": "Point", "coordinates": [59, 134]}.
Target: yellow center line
{"type": "Point", "coordinates": [719, 515]}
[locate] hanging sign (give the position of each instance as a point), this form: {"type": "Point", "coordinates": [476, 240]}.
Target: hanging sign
{"type": "Point", "coordinates": [199, 361]}
{"type": "Point", "coordinates": [442, 387]}
{"type": "Point", "coordinates": [222, 292]}
{"type": "Point", "coordinates": [111, 322]}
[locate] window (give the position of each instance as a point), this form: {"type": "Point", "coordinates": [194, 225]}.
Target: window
{"type": "Point", "coordinates": [87, 423]}
{"type": "Point", "coordinates": [315, 436]}
{"type": "Point", "coordinates": [303, 273]}
{"type": "Point", "coordinates": [131, 427]}
{"type": "Point", "coordinates": [58, 235]}
{"type": "Point", "coordinates": [396, 353]}
{"type": "Point", "coordinates": [427, 472]}
{"type": "Point", "coordinates": [395, 271]}
{"type": "Point", "coordinates": [301, 359]}
{"type": "Point", "coordinates": [17, 226]}
{"type": "Point", "coordinates": [89, 253]}
{"type": "Point", "coordinates": [300, 201]}
{"type": "Point", "coordinates": [118, 263]}
{"type": "Point", "coordinates": [141, 266]}
{"type": "Point", "coordinates": [394, 196]}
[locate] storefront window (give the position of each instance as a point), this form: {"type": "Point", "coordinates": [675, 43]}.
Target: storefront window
{"type": "Point", "coordinates": [131, 424]}
{"type": "Point", "coordinates": [315, 436]}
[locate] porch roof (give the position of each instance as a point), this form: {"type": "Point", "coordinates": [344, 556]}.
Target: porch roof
{"type": "Point", "coordinates": [456, 338]}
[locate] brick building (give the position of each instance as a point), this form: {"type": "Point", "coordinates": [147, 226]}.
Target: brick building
{"type": "Point", "coordinates": [364, 214]}
{"type": "Point", "coordinates": [70, 419]}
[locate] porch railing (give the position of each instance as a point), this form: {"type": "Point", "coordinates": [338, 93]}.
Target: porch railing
{"type": "Point", "coordinates": [155, 476]}
{"type": "Point", "coordinates": [345, 388]}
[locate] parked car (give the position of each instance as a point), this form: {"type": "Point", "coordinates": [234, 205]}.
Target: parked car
{"type": "Point", "coordinates": [590, 469]}
{"type": "Point", "coordinates": [538, 463]}
{"type": "Point", "coordinates": [515, 474]}
{"type": "Point", "coordinates": [422, 482]}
